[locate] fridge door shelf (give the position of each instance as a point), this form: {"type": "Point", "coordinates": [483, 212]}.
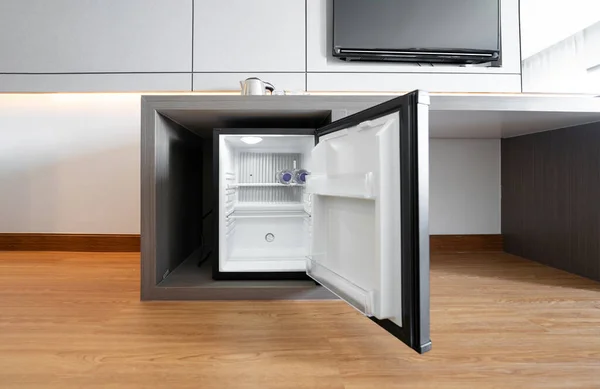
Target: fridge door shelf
{"type": "Point", "coordinates": [362, 185]}
{"type": "Point", "coordinates": [360, 299]}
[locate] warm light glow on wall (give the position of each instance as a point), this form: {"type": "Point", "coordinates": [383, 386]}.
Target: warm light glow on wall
{"type": "Point", "coordinates": [140, 93]}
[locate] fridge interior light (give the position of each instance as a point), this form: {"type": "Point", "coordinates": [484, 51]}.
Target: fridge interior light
{"type": "Point", "coordinates": [251, 140]}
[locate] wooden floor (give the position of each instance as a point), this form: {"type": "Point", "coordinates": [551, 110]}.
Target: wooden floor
{"type": "Point", "coordinates": [74, 320]}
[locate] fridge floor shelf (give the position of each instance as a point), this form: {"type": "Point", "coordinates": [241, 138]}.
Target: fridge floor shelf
{"type": "Point", "coordinates": [268, 254]}
{"type": "Point", "coordinates": [253, 264]}
{"type": "Point", "coordinates": [362, 300]}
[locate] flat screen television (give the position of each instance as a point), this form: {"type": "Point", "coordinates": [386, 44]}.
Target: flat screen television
{"type": "Point", "coordinates": [438, 31]}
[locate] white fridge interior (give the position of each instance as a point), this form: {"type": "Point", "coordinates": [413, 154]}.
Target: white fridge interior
{"type": "Point", "coordinates": [264, 225]}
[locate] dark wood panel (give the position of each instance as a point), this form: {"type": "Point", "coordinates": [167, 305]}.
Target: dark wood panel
{"type": "Point", "coordinates": [550, 192]}
{"type": "Point", "coordinates": [441, 244]}
{"type": "Point", "coordinates": [70, 242]}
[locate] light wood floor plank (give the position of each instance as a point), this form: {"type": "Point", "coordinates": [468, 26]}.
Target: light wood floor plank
{"type": "Point", "coordinates": [74, 320]}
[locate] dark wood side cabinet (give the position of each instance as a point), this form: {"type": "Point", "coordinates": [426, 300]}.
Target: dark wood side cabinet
{"type": "Point", "coordinates": [551, 198]}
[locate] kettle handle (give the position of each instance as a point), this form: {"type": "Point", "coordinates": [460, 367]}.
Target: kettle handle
{"type": "Point", "coordinates": [269, 86]}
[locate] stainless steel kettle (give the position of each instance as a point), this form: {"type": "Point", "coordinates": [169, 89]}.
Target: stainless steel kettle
{"type": "Point", "coordinates": [256, 86]}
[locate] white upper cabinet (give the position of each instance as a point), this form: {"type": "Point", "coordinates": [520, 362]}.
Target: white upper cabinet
{"type": "Point", "coordinates": [95, 36]}
{"type": "Point", "coordinates": [249, 36]}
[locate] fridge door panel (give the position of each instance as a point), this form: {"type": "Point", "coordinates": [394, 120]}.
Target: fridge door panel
{"type": "Point", "coordinates": [355, 182]}
{"type": "Point", "coordinates": [370, 241]}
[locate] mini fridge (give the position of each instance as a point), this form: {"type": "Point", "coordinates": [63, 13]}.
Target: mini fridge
{"type": "Point", "coordinates": [345, 204]}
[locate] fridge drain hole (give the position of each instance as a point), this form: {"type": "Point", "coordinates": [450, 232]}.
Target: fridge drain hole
{"type": "Point", "coordinates": [269, 237]}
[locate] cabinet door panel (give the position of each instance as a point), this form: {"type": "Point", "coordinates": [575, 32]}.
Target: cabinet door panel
{"type": "Point", "coordinates": [114, 82]}
{"type": "Point", "coordinates": [89, 36]}
{"type": "Point", "coordinates": [249, 36]}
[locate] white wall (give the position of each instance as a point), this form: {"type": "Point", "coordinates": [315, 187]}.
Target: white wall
{"type": "Point", "coordinates": [464, 186]}
{"type": "Point", "coordinates": [71, 164]}
{"type": "Point", "coordinates": [547, 22]}
{"type": "Point", "coordinates": [570, 66]}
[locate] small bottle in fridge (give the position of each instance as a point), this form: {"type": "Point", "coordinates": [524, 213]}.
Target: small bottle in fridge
{"type": "Point", "coordinates": [285, 177]}
{"type": "Point", "coordinates": [299, 175]}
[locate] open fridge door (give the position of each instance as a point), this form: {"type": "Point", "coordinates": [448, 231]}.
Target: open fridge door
{"type": "Point", "coordinates": [370, 240]}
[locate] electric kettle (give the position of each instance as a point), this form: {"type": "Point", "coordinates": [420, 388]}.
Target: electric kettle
{"type": "Point", "coordinates": [256, 86]}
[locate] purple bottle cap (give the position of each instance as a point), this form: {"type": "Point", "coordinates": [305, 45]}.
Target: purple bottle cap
{"type": "Point", "coordinates": [287, 177]}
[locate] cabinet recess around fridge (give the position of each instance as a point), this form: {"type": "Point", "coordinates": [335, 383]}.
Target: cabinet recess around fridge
{"type": "Point", "coordinates": [342, 199]}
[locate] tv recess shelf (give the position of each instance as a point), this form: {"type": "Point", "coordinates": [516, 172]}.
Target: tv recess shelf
{"type": "Point", "coordinates": [177, 170]}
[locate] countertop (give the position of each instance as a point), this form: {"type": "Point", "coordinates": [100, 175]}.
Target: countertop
{"type": "Point", "coordinates": [451, 115]}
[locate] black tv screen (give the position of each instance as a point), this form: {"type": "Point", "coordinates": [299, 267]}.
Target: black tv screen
{"type": "Point", "coordinates": [461, 31]}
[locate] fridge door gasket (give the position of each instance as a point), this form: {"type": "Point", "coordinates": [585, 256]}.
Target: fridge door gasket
{"type": "Point", "coordinates": [370, 215]}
